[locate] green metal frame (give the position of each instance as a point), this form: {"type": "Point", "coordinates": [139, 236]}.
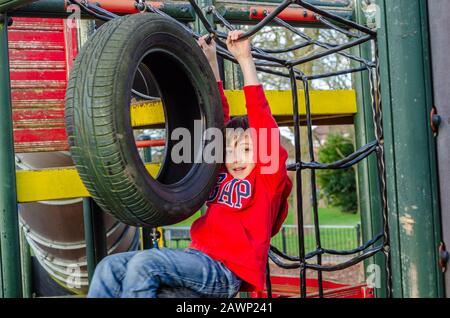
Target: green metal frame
{"type": "Point", "coordinates": [368, 185]}
{"type": "Point", "coordinates": [9, 223]}
{"type": "Point", "coordinates": [410, 149]}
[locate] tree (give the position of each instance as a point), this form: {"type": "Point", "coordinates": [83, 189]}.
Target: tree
{"type": "Point", "coordinates": [339, 186]}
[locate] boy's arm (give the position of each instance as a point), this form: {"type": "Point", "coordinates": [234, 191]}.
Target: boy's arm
{"type": "Point", "coordinates": [270, 155]}
{"type": "Point", "coordinates": [225, 105]}
{"type": "Point", "coordinates": [211, 56]}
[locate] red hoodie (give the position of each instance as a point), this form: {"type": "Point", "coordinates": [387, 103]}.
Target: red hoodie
{"type": "Point", "coordinates": [243, 215]}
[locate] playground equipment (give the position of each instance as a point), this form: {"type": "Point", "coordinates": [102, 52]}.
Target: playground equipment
{"type": "Point", "coordinates": [400, 191]}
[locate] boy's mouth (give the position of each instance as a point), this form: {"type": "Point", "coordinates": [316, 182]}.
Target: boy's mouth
{"type": "Point", "coordinates": [238, 169]}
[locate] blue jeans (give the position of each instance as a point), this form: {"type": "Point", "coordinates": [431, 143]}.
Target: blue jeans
{"type": "Point", "coordinates": [163, 273]}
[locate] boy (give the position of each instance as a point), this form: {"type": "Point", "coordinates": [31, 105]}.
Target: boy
{"type": "Point", "coordinates": [247, 207]}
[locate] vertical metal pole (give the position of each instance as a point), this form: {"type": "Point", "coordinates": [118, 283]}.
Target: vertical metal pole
{"type": "Point", "coordinates": [283, 239]}
{"type": "Point", "coordinates": [94, 235]}
{"type": "Point", "coordinates": [358, 234]}
{"type": "Point", "coordinates": [198, 26]}
{"type": "Point", "coordinates": [368, 186]}
{"type": "Point", "coordinates": [147, 242]}
{"type": "Point", "coordinates": [313, 185]}
{"type": "Point", "coordinates": [26, 266]}
{"type": "Point", "coordinates": [147, 151]}
{"type": "Point", "coordinates": [298, 180]}
{"type": "Point", "coordinates": [410, 148]}
{"type": "Point", "coordinates": [9, 222]}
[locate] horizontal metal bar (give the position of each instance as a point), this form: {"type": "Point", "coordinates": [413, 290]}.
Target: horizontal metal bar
{"type": "Point", "coordinates": [55, 184]}
{"type": "Point", "coordinates": [337, 103]}
{"type": "Point", "coordinates": [320, 3]}
{"type": "Point", "coordinates": [246, 12]}
{"type": "Point", "coordinates": [236, 12]}
{"type": "Point", "coordinates": [326, 227]}
{"type": "Point", "coordinates": [180, 10]}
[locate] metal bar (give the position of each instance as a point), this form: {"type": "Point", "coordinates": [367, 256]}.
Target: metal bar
{"type": "Point", "coordinates": [95, 235]}
{"type": "Point", "coordinates": [27, 278]}
{"type": "Point", "coordinates": [440, 46]}
{"type": "Point", "coordinates": [268, 282]}
{"type": "Point", "coordinates": [9, 222]}
{"type": "Point", "coordinates": [146, 238]}
{"type": "Point", "coordinates": [204, 20]}
{"type": "Point", "coordinates": [11, 4]}
{"type": "Point", "coordinates": [320, 3]}
{"type": "Point", "coordinates": [368, 184]}
{"type": "Point", "coordinates": [313, 184]}
{"type": "Point", "coordinates": [88, 237]}
{"type": "Point", "coordinates": [298, 180]}
{"type": "Point", "coordinates": [243, 12]}
{"type": "Point", "coordinates": [334, 17]}
{"type": "Point", "coordinates": [236, 12]}
{"type": "Point", "coordinates": [180, 10]}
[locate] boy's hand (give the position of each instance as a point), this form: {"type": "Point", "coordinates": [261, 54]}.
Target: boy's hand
{"type": "Point", "coordinates": [208, 49]}
{"type": "Point", "coordinates": [210, 53]}
{"type": "Point", "coordinates": [239, 48]}
{"type": "Point", "coordinates": [242, 52]}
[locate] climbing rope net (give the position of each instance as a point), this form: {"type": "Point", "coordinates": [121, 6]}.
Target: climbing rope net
{"type": "Point", "coordinates": [266, 60]}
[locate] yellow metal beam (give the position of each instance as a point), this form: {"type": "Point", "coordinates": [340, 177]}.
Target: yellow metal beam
{"type": "Point", "coordinates": [324, 104]}
{"type": "Point", "coordinates": [55, 184]}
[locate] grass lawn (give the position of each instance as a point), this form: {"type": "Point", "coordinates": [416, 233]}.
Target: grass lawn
{"type": "Point", "coordinates": [327, 216]}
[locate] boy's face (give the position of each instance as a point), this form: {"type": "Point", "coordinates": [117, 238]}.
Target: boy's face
{"type": "Point", "coordinates": [239, 159]}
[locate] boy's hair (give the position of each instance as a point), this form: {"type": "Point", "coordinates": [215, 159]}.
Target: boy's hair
{"type": "Point", "coordinates": [238, 122]}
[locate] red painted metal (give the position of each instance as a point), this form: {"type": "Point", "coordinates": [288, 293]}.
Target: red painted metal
{"type": "Point", "coordinates": [150, 143]}
{"type": "Point", "coordinates": [122, 6]}
{"type": "Point", "coordinates": [39, 63]}
{"type": "Point", "coordinates": [284, 286]}
{"type": "Point", "coordinates": [42, 52]}
{"type": "Point", "coordinates": [288, 14]}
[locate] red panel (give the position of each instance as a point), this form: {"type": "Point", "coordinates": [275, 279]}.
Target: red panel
{"type": "Point", "coordinates": [31, 36]}
{"type": "Point", "coordinates": [39, 59]}
{"type": "Point", "coordinates": [35, 21]}
{"type": "Point", "coordinates": [43, 75]}
{"type": "Point", "coordinates": [38, 114]}
{"type": "Point", "coordinates": [33, 135]}
{"type": "Point", "coordinates": [32, 94]}
{"type": "Point", "coordinates": [37, 55]}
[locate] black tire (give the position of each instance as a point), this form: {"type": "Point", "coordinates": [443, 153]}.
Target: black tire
{"type": "Point", "coordinates": [98, 118]}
